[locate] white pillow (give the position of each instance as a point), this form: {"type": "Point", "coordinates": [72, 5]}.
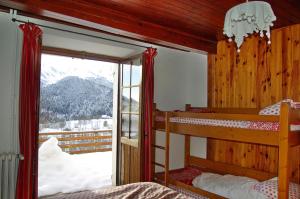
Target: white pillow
{"type": "Point", "coordinates": [274, 109]}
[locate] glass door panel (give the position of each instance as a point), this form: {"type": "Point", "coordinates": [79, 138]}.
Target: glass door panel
{"type": "Point", "coordinates": [130, 93]}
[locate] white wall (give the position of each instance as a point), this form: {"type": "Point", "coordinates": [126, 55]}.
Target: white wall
{"type": "Point", "coordinates": [180, 78]}
{"type": "Point", "coordinates": [10, 49]}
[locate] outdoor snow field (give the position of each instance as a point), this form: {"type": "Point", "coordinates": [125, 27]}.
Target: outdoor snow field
{"type": "Point", "coordinates": [60, 172]}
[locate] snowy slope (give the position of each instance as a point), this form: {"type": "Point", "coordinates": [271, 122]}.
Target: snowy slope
{"type": "Point", "coordinates": [60, 172]}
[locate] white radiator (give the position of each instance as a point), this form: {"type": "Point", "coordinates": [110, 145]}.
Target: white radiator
{"type": "Point", "coordinates": [8, 174]}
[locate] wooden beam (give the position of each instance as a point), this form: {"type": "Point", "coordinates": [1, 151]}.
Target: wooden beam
{"type": "Point", "coordinates": [187, 148]}
{"type": "Point", "coordinates": [158, 164]}
{"type": "Point", "coordinates": [85, 144]}
{"type": "Point", "coordinates": [79, 54]}
{"type": "Point", "coordinates": [224, 168]}
{"type": "Point", "coordinates": [41, 140]}
{"type": "Point", "coordinates": [195, 190]}
{"type": "Point", "coordinates": [283, 167]}
{"type": "Point", "coordinates": [115, 22]}
{"type": "Point", "coordinates": [226, 133]}
{"type": "Point", "coordinates": [226, 116]}
{"type": "Point", "coordinates": [159, 147]}
{"type": "Point", "coordinates": [90, 151]}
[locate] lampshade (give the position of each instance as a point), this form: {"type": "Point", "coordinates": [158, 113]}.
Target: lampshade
{"type": "Point", "coordinates": [248, 18]}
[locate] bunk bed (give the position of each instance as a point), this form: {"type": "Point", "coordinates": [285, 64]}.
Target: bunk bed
{"type": "Point", "coordinates": [239, 125]}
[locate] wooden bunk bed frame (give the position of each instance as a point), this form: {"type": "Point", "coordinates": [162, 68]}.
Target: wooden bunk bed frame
{"type": "Point", "coordinates": [284, 139]}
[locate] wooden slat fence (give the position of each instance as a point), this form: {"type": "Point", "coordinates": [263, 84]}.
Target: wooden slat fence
{"type": "Point", "coordinates": [81, 142]}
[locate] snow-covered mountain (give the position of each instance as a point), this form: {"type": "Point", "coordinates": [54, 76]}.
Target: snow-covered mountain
{"type": "Point", "coordinates": [74, 98]}
{"type": "Point", "coordinates": [73, 88]}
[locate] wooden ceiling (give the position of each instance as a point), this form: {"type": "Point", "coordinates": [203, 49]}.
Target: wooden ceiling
{"type": "Point", "coordinates": [194, 24]}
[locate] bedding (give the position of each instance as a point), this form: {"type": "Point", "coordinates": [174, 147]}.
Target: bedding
{"type": "Point", "coordinates": [244, 124]}
{"type": "Point", "coordinates": [141, 190]}
{"type": "Point", "coordinates": [269, 189]}
{"type": "Point", "coordinates": [273, 109]}
{"type": "Point", "coordinates": [229, 186]}
{"type": "Point", "coordinates": [239, 187]}
{"type": "Point", "coordinates": [254, 125]}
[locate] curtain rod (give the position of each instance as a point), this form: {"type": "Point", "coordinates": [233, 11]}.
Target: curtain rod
{"type": "Point", "coordinates": [79, 33]}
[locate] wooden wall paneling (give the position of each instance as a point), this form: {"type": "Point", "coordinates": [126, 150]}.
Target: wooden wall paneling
{"type": "Point", "coordinates": [258, 76]}
{"type": "Point", "coordinates": [295, 93]}
{"type": "Point", "coordinates": [295, 61]}
{"type": "Point", "coordinates": [263, 82]}
{"type": "Point", "coordinates": [274, 59]}
{"type": "Point", "coordinates": [287, 65]}
{"type": "Point", "coordinates": [295, 164]}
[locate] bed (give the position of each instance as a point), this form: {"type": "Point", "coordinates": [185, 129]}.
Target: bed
{"type": "Point", "coordinates": [141, 190]}
{"type": "Point", "coordinates": [239, 125]}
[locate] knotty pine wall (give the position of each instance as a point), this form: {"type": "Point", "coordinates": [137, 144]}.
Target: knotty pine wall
{"type": "Point", "coordinates": [258, 76]}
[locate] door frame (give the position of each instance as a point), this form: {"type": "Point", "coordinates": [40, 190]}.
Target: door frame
{"type": "Point", "coordinates": [130, 60]}
{"type": "Point", "coordinates": [103, 58]}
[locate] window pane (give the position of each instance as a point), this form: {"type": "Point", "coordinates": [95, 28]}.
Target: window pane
{"type": "Point", "coordinates": [125, 99]}
{"type": "Point", "coordinates": [134, 127]}
{"type": "Point", "coordinates": [136, 72]}
{"type": "Point", "coordinates": [135, 98]}
{"type": "Point", "coordinates": [125, 125]}
{"type": "Point", "coordinates": [126, 75]}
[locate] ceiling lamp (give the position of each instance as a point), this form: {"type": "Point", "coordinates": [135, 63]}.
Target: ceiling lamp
{"type": "Point", "coordinates": [247, 18]}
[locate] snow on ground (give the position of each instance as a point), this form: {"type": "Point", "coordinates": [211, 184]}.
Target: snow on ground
{"type": "Point", "coordinates": [65, 173]}
{"type": "Point", "coordinates": [78, 125]}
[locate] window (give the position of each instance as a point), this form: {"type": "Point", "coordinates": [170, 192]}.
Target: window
{"type": "Point", "coordinates": [130, 100]}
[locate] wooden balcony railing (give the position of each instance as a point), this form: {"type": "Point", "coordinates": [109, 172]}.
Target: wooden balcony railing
{"type": "Point", "coordinates": [81, 142]}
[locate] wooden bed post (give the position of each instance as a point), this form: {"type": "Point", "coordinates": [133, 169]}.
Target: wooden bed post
{"type": "Point", "coordinates": [167, 151]}
{"type": "Point", "coordinates": [187, 143]}
{"type": "Point", "coordinates": [283, 167]}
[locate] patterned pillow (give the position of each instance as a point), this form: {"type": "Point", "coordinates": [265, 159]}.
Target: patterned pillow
{"type": "Point", "coordinates": [274, 109]}
{"type": "Point", "coordinates": [269, 189]}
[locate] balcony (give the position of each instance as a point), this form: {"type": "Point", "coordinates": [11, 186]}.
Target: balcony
{"type": "Point", "coordinates": [81, 142]}
{"type": "Point", "coordinates": [74, 161]}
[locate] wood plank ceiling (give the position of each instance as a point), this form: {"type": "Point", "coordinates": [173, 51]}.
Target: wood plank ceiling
{"type": "Point", "coordinates": [187, 24]}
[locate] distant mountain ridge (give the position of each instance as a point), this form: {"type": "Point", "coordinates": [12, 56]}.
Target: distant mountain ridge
{"type": "Point", "coordinates": [75, 98]}
{"type": "Point", "coordinates": [52, 74]}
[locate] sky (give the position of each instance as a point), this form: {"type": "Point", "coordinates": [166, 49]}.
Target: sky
{"type": "Point", "coordinates": [55, 68]}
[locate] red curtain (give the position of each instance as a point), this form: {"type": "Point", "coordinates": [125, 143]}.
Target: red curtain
{"type": "Point", "coordinates": [29, 111]}
{"type": "Point", "coordinates": [148, 65]}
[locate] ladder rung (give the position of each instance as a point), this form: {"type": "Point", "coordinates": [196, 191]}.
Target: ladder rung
{"type": "Point", "coordinates": [160, 147]}
{"type": "Point", "coordinates": [158, 164]}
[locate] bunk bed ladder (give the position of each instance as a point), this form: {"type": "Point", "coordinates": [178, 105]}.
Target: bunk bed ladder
{"type": "Point", "coordinates": [165, 166]}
